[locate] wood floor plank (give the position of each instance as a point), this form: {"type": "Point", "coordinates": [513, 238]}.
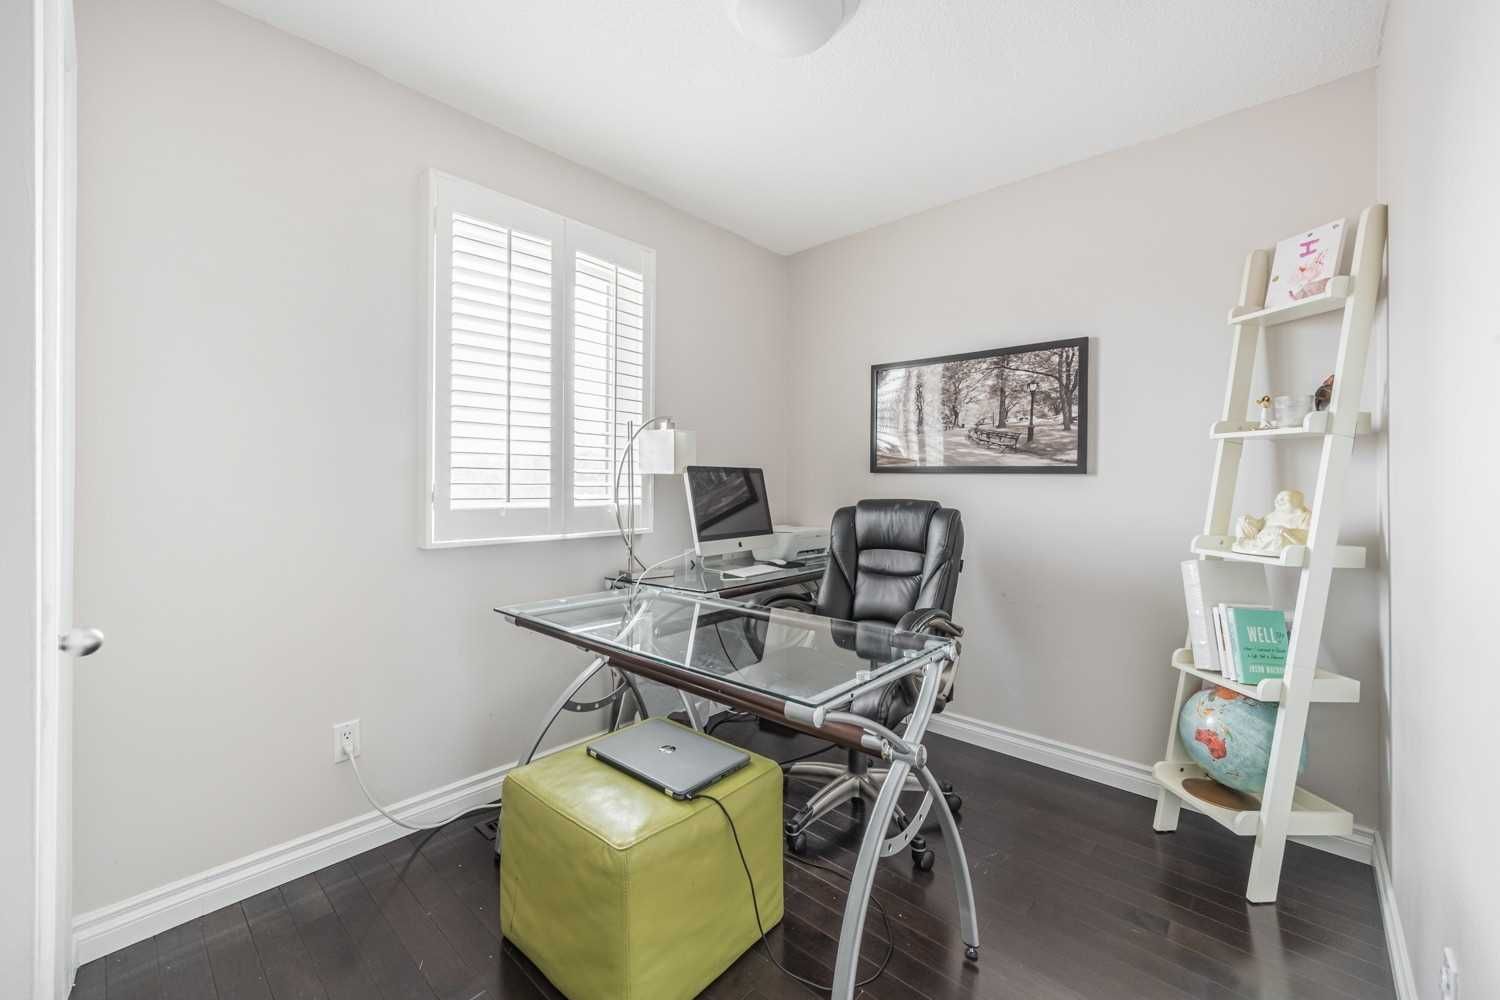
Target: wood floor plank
{"type": "Point", "coordinates": [1224, 903]}
{"type": "Point", "coordinates": [946, 959]}
{"type": "Point", "coordinates": [471, 940]}
{"type": "Point", "coordinates": [334, 956]}
{"type": "Point", "coordinates": [183, 960]}
{"type": "Point", "coordinates": [1116, 819]}
{"type": "Point", "coordinates": [89, 981]}
{"type": "Point", "coordinates": [232, 956]}
{"type": "Point", "coordinates": [385, 958]}
{"type": "Point", "coordinates": [132, 973]}
{"type": "Point", "coordinates": [446, 973]}
{"type": "Point", "coordinates": [288, 967]}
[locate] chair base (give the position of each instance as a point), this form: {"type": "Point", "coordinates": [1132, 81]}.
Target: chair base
{"type": "Point", "coordinates": [858, 784]}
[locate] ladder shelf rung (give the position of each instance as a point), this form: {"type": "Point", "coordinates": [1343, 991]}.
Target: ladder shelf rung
{"type": "Point", "coordinates": [1293, 556]}
{"type": "Point", "coordinates": [1314, 425]}
{"type": "Point", "coordinates": [1312, 815]}
{"type": "Point", "coordinates": [1340, 289]}
{"type": "Point", "coordinates": [1328, 687]}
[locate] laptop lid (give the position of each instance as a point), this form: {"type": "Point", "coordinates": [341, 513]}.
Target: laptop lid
{"type": "Point", "coordinates": [669, 757]}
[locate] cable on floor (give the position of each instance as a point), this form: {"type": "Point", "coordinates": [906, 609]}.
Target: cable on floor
{"type": "Point", "coordinates": [890, 941]}
{"type": "Point", "coordinates": [398, 820]}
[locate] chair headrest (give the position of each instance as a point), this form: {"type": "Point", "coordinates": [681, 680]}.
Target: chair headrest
{"type": "Point", "coordinates": [893, 524]}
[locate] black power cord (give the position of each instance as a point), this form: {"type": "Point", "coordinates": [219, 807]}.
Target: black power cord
{"type": "Point", "coordinates": [890, 941]}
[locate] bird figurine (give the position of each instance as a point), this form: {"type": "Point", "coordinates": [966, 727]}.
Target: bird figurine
{"type": "Point", "coordinates": [1324, 395]}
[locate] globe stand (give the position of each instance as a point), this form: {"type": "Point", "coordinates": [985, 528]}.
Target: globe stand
{"type": "Point", "coordinates": [1212, 792]}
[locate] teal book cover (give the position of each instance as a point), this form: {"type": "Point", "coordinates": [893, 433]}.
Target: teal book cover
{"type": "Point", "coordinates": [1261, 639]}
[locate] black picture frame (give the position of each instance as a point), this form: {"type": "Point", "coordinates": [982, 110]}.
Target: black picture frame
{"type": "Point", "coordinates": [969, 435]}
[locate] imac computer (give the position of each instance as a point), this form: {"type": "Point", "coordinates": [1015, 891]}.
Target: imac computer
{"type": "Point", "coordinates": [729, 510]}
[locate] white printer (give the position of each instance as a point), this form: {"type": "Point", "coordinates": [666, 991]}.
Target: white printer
{"type": "Point", "coordinates": [794, 544]}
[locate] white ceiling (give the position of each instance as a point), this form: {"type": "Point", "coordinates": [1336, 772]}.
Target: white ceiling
{"type": "Point", "coordinates": [914, 104]}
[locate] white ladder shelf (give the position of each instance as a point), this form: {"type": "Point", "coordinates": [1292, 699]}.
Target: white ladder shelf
{"type": "Point", "coordinates": [1285, 809]}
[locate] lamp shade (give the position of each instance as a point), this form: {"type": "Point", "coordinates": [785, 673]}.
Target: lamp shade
{"type": "Point", "coordinates": [665, 452]}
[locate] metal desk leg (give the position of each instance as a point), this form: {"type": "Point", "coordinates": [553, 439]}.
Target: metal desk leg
{"type": "Point", "coordinates": [690, 710]}
{"type": "Point", "coordinates": [638, 702]}
{"type": "Point", "coordinates": [563, 701]}
{"type": "Point", "coordinates": [908, 750]}
{"type": "Point", "coordinates": [963, 887]}
{"type": "Point", "coordinates": [847, 968]}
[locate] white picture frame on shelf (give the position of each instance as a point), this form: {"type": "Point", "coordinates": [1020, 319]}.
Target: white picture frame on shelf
{"type": "Point", "coordinates": [1304, 263]}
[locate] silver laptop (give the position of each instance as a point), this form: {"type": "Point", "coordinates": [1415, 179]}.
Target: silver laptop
{"type": "Point", "coordinates": [669, 757]}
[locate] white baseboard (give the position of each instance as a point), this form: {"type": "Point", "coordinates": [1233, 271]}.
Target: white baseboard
{"type": "Point", "coordinates": [118, 925]}
{"type": "Point", "coordinates": [1128, 775]}
{"type": "Point", "coordinates": [1395, 936]}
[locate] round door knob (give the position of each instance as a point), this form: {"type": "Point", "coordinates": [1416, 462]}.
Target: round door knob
{"type": "Point", "coordinates": [80, 641]}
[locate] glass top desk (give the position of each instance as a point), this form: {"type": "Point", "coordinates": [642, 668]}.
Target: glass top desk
{"type": "Point", "coordinates": [695, 579]}
{"type": "Point", "coordinates": [800, 670]}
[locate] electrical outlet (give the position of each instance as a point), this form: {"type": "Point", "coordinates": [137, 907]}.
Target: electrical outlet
{"type": "Point", "coordinates": [341, 730]}
{"type": "Point", "coordinates": [1450, 974]}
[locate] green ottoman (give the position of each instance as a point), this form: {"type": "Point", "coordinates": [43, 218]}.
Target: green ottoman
{"type": "Point", "coordinates": [618, 892]}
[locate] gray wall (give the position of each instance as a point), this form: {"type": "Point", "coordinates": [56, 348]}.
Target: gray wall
{"type": "Point", "coordinates": [248, 325]}
{"type": "Point", "coordinates": [1439, 160]}
{"type": "Point", "coordinates": [18, 483]}
{"type": "Point", "coordinates": [1072, 591]}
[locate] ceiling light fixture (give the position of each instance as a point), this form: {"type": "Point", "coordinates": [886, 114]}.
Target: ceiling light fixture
{"type": "Point", "coordinates": [790, 28]}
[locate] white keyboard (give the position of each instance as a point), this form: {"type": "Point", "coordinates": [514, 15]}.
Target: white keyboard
{"type": "Point", "coordinates": [745, 572]}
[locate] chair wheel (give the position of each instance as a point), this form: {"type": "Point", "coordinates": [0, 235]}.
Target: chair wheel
{"type": "Point", "coordinates": [971, 953]}
{"type": "Point", "coordinates": [796, 843]}
{"type": "Point", "coordinates": [923, 860]}
{"type": "Point", "coordinates": [955, 802]}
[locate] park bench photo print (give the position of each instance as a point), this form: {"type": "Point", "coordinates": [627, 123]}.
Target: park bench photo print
{"type": "Point", "coordinates": [1011, 409]}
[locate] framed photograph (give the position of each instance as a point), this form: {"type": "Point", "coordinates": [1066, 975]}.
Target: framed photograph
{"type": "Point", "coordinates": [1011, 409]}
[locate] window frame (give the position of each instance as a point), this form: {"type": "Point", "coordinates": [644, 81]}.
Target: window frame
{"type": "Point", "coordinates": [440, 526]}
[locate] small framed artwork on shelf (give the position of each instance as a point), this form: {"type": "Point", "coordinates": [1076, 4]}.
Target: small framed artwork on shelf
{"type": "Point", "coordinates": [1010, 409]}
{"type": "Point", "coordinates": [1304, 263]}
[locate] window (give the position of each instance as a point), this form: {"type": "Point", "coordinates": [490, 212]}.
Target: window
{"type": "Point", "coordinates": [538, 360]}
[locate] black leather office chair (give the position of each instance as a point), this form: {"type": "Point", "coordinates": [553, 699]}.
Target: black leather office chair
{"type": "Point", "coordinates": [893, 562]}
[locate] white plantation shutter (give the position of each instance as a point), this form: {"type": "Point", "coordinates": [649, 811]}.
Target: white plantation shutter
{"type": "Point", "coordinates": [500, 438]}
{"type": "Point", "coordinates": [608, 365]}
{"type": "Point", "coordinates": [611, 304]}
{"type": "Point", "coordinates": [539, 355]}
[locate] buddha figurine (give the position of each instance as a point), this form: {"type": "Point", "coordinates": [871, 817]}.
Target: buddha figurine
{"type": "Point", "coordinates": [1287, 524]}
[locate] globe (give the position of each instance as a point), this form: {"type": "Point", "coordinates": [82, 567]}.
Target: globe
{"type": "Point", "coordinates": [1229, 736]}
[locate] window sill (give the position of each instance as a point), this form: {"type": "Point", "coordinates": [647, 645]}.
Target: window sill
{"type": "Point", "coordinates": [465, 543]}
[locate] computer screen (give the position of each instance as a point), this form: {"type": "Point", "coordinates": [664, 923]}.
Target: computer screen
{"type": "Point", "coordinates": [728, 502]}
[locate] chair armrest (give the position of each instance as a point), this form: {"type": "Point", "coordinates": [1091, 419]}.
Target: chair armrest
{"type": "Point", "coordinates": [792, 601]}
{"type": "Point", "coordinates": [933, 620]}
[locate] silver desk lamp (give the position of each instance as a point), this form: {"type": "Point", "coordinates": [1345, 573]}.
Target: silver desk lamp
{"type": "Point", "coordinates": [663, 452]}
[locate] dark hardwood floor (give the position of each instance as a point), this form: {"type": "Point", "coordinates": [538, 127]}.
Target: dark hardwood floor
{"type": "Point", "coordinates": [1077, 897]}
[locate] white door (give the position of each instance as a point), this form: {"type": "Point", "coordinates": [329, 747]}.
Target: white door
{"type": "Point", "coordinates": [60, 642]}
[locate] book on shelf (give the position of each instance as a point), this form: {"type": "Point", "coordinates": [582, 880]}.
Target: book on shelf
{"type": "Point", "coordinates": [1251, 642]}
{"type": "Point", "coordinates": [1207, 583]}
{"type": "Point", "coordinates": [1259, 639]}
